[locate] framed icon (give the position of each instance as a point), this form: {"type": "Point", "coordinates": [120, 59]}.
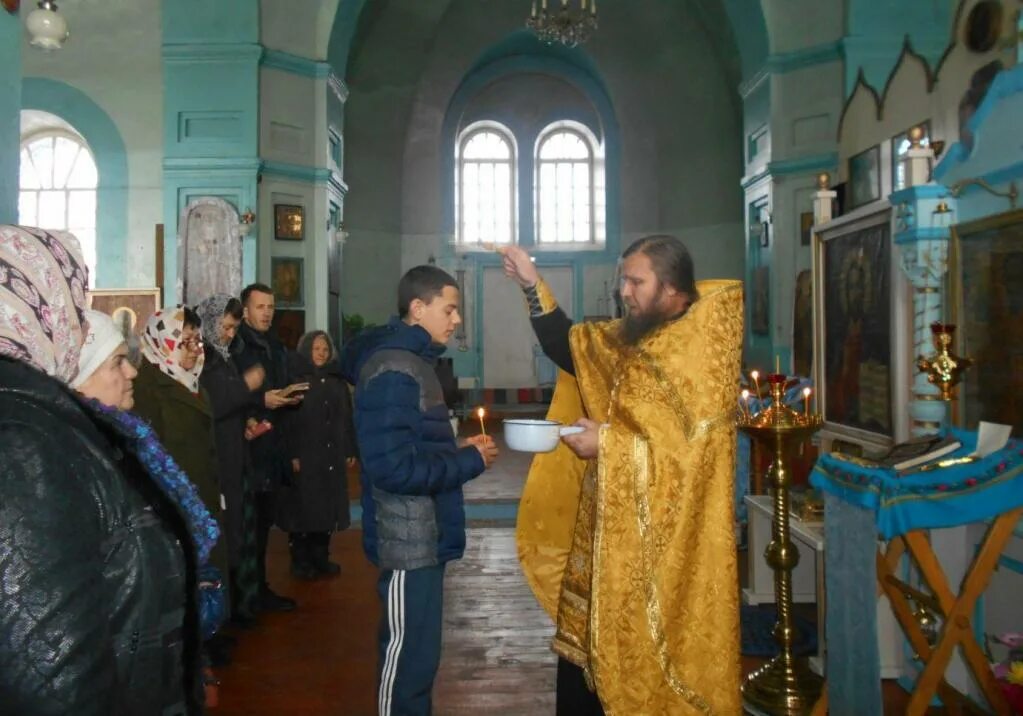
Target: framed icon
{"type": "Point", "coordinates": [289, 222]}
{"type": "Point", "coordinates": [286, 281]}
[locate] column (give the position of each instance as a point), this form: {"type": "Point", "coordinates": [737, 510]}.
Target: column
{"type": "Point", "coordinates": [921, 217]}
{"type": "Point", "coordinates": [10, 115]}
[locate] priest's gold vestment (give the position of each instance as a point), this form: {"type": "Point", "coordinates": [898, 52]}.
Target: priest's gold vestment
{"type": "Point", "coordinates": [633, 554]}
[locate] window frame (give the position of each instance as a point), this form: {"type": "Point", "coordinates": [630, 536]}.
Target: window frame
{"type": "Point", "coordinates": [54, 133]}
{"type": "Point", "coordinates": [464, 138]}
{"type": "Point", "coordinates": [594, 165]}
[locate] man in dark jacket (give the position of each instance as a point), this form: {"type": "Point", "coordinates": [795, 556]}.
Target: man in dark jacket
{"type": "Point", "coordinates": [270, 462]}
{"type": "Point", "coordinates": [413, 519]}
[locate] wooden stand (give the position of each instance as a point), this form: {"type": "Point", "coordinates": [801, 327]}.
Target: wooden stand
{"type": "Point", "coordinates": [955, 611]}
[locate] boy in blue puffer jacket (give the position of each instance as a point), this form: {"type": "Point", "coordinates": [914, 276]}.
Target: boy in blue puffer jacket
{"type": "Point", "coordinates": [413, 521]}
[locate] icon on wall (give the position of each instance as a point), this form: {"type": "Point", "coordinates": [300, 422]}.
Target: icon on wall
{"type": "Point", "coordinates": [289, 221]}
{"type": "Point", "coordinates": [286, 281]}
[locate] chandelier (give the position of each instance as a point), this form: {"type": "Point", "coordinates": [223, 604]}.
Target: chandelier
{"type": "Point", "coordinates": [571, 24]}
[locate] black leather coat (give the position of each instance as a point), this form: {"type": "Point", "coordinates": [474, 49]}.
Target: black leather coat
{"type": "Point", "coordinates": [97, 572]}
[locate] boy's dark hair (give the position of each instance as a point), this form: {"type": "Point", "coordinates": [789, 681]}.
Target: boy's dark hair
{"type": "Point", "coordinates": [424, 283]}
{"type": "Point", "coordinates": [234, 309]}
{"type": "Point", "coordinates": [254, 288]}
{"type": "Point", "coordinates": [192, 319]}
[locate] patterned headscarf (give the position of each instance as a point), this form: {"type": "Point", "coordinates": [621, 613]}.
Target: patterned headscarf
{"type": "Point", "coordinates": [161, 345]}
{"type": "Point", "coordinates": [42, 299]}
{"type": "Point", "coordinates": [211, 311]}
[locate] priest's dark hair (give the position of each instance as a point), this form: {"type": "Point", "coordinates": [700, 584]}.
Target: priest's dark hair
{"type": "Point", "coordinates": [670, 260]}
{"type": "Point", "coordinates": [424, 283]}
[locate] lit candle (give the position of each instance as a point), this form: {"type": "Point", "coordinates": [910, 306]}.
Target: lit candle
{"type": "Point", "coordinates": [745, 403]}
{"type": "Point", "coordinates": [755, 375]}
{"type": "Point", "coordinates": [481, 412]}
{"type": "Point", "coordinates": [806, 401]}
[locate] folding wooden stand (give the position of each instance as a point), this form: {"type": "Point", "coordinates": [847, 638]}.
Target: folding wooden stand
{"type": "Point", "coordinates": [954, 610]}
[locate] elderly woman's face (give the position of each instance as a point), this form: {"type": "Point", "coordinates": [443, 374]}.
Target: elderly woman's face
{"type": "Point", "coordinates": [111, 383]}
{"type": "Point", "coordinates": [320, 352]}
{"type": "Point", "coordinates": [191, 347]}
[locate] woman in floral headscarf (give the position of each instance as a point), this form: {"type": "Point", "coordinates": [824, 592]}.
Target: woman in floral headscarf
{"type": "Point", "coordinates": [168, 396]}
{"type": "Point", "coordinates": [99, 613]}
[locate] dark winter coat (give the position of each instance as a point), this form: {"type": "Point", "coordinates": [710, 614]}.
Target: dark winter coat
{"type": "Point", "coordinates": [271, 466]}
{"type": "Point", "coordinates": [99, 579]}
{"type": "Point", "coordinates": [184, 423]}
{"type": "Point", "coordinates": [321, 436]}
{"type": "Point", "coordinates": [412, 470]}
{"type": "Point", "coordinates": [231, 402]}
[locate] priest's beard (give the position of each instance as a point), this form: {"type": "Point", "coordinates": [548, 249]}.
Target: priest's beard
{"type": "Point", "coordinates": [637, 326]}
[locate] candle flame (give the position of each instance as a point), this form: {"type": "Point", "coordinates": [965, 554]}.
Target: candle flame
{"type": "Point", "coordinates": [481, 412]}
{"type": "Point", "coordinates": [745, 394]}
{"type": "Point", "coordinates": [755, 374]}
{"type": "Point", "coordinates": [806, 392]}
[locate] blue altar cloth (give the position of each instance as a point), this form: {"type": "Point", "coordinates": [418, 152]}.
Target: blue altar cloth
{"type": "Point", "coordinates": [863, 502]}
{"type": "Point", "coordinates": [946, 497]}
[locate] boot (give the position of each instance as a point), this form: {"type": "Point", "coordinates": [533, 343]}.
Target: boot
{"type": "Point", "coordinates": [319, 553]}
{"type": "Point", "coordinates": [302, 566]}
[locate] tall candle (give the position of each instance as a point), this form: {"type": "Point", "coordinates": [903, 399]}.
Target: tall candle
{"type": "Point", "coordinates": [755, 375]}
{"type": "Point", "coordinates": [745, 403]}
{"type": "Point", "coordinates": [806, 402]}
{"type": "Point", "coordinates": [533, 11]}
{"type": "Point", "coordinates": [481, 412]}
{"type": "Point", "coordinates": [593, 8]}
{"type": "Point", "coordinates": [777, 364]}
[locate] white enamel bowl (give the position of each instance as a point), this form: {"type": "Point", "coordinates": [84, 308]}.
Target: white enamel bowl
{"type": "Point", "coordinates": [530, 435]}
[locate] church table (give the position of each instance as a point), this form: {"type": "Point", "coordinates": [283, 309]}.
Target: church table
{"type": "Point", "coordinates": [863, 502]}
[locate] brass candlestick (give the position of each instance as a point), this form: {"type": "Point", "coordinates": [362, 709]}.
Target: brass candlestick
{"type": "Point", "coordinates": [784, 686]}
{"type": "Point", "coordinates": [944, 369]}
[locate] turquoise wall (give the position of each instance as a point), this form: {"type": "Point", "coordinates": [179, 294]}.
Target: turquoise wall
{"type": "Point", "coordinates": [103, 138]}
{"type": "Point", "coordinates": [750, 32]}
{"type": "Point", "coordinates": [877, 30]}
{"type": "Point", "coordinates": [10, 115]}
{"type": "Point", "coordinates": [211, 56]}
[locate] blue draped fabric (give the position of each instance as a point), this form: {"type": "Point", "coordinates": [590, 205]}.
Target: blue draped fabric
{"type": "Point", "coordinates": [862, 502]}
{"type": "Point", "coordinates": [948, 497]}
{"type": "Point", "coordinates": [853, 659]}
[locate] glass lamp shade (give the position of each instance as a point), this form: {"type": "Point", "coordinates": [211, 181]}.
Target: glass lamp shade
{"type": "Point", "coordinates": [47, 28]}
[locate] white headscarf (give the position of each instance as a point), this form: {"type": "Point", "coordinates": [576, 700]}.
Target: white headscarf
{"type": "Point", "coordinates": [103, 339]}
{"type": "Point", "coordinates": [42, 299]}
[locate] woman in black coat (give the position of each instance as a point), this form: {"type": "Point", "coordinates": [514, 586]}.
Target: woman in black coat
{"type": "Point", "coordinates": [322, 439]}
{"type": "Point", "coordinates": [233, 398]}
{"type": "Point", "coordinates": [99, 613]}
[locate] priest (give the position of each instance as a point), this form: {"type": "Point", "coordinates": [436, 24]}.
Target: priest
{"type": "Point", "coordinates": [625, 532]}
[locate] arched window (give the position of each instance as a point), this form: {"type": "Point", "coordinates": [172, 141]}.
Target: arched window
{"type": "Point", "coordinates": [569, 186]}
{"type": "Point", "coordinates": [485, 185]}
{"type": "Point", "coordinates": [58, 188]}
